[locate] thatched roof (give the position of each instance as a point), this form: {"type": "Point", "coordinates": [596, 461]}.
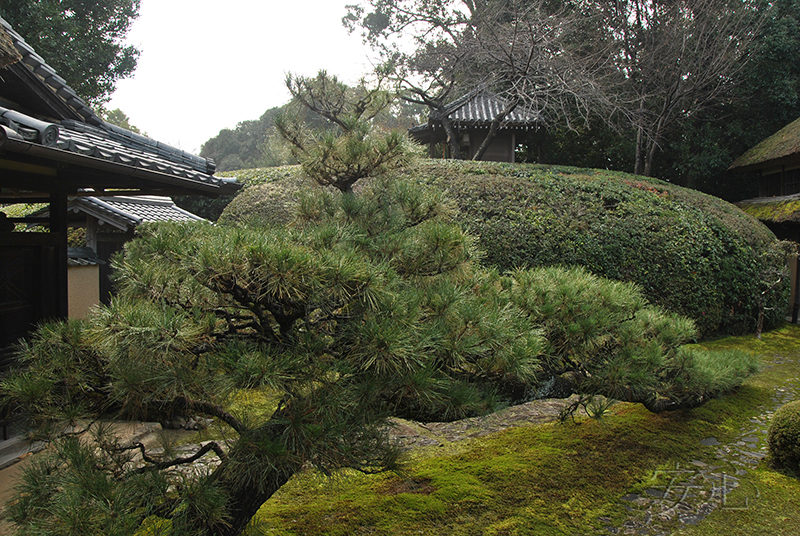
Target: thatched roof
{"type": "Point", "coordinates": [8, 52]}
{"type": "Point", "coordinates": [784, 209]}
{"type": "Point", "coordinates": [779, 148]}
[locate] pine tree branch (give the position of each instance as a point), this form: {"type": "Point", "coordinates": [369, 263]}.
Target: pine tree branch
{"type": "Point", "coordinates": [156, 465]}
{"type": "Point", "coordinates": [185, 404]}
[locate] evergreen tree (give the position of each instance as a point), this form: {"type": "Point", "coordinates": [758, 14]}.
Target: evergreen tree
{"type": "Point", "coordinates": [353, 148]}
{"type": "Point", "coordinates": [369, 306]}
{"type": "Point", "coordinates": [81, 40]}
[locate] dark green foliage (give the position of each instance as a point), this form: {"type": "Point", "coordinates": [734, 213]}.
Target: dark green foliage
{"type": "Point", "coordinates": [367, 307]}
{"type": "Point", "coordinates": [699, 148]}
{"type": "Point", "coordinates": [76, 489]}
{"type": "Point", "coordinates": [784, 436]}
{"type": "Point", "coordinates": [209, 208]}
{"type": "Point", "coordinates": [328, 317]}
{"type": "Point", "coordinates": [604, 337]}
{"type": "Point", "coordinates": [81, 40]}
{"type": "Point", "coordinates": [690, 253]}
{"type": "Point", "coordinates": [121, 119]}
{"type": "Point", "coordinates": [269, 196]}
{"type": "Point", "coordinates": [354, 148]}
{"type": "Point", "coordinates": [284, 181]}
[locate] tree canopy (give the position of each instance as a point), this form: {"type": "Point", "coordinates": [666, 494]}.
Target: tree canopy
{"type": "Point", "coordinates": [370, 306]}
{"type": "Point", "coordinates": [353, 147]}
{"type": "Point", "coordinates": [531, 53]}
{"type": "Point", "coordinates": [663, 89]}
{"type": "Point", "coordinates": [81, 40]}
{"type": "Point", "coordinates": [121, 119]}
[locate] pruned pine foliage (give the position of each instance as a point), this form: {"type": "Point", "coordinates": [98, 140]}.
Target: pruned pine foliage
{"type": "Point", "coordinates": [368, 306]}
{"type": "Point", "coordinates": [353, 148]}
{"type": "Point", "coordinates": [605, 339]}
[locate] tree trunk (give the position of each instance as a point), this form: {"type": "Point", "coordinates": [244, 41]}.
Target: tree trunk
{"type": "Point", "coordinates": [452, 137]}
{"type": "Point", "coordinates": [637, 167]}
{"type": "Point", "coordinates": [495, 126]}
{"type": "Point", "coordinates": [250, 476]}
{"type": "Point", "coordinates": [648, 167]}
{"type": "Point", "coordinates": [244, 501]}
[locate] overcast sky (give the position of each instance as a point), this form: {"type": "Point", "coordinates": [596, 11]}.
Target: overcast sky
{"type": "Point", "coordinates": [206, 65]}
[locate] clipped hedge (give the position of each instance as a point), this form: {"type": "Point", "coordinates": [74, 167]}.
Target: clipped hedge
{"type": "Point", "coordinates": [268, 197]}
{"type": "Point", "coordinates": [783, 438]}
{"type": "Point", "coordinates": [691, 253]}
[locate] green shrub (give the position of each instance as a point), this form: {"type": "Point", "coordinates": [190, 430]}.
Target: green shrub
{"type": "Point", "coordinates": [689, 252]}
{"type": "Point", "coordinates": [784, 436]}
{"type": "Point", "coordinates": [268, 197]}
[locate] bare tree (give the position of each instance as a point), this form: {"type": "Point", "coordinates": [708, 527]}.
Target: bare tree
{"type": "Point", "coordinates": [673, 59]}
{"type": "Point", "coordinates": [527, 52]}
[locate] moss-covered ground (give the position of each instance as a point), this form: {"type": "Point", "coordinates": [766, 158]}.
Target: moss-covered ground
{"type": "Point", "coordinates": [556, 479]}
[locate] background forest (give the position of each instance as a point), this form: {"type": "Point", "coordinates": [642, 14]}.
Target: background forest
{"type": "Point", "coordinates": [695, 151]}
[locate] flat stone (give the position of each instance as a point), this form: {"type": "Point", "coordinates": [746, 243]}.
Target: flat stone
{"type": "Point", "coordinates": [710, 442]}
{"type": "Point", "coordinates": [691, 519]}
{"type": "Point", "coordinates": [652, 492]}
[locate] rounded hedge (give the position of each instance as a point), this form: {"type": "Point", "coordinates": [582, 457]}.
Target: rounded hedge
{"type": "Point", "coordinates": [268, 196]}
{"type": "Point", "coordinates": [691, 253]}
{"type": "Point", "coordinates": [783, 437]}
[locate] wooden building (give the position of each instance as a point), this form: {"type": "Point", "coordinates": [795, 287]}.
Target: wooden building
{"type": "Point", "coordinates": [471, 117]}
{"type": "Point", "coordinates": [776, 163]}
{"type": "Point", "coordinates": [108, 223]}
{"type": "Point", "coordinates": [53, 147]}
{"type": "Point", "coordinates": [776, 160]}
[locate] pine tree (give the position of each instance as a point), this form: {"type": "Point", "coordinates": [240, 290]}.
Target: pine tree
{"type": "Point", "coordinates": [370, 305]}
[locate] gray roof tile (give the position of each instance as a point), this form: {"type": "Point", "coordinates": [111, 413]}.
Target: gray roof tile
{"type": "Point", "coordinates": [94, 137]}
{"type": "Point", "coordinates": [126, 212]}
{"type": "Point", "coordinates": [482, 106]}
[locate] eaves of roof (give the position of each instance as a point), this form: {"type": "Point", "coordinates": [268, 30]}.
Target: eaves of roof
{"type": "Point", "coordinates": [780, 148]}
{"type": "Point", "coordinates": [82, 256]}
{"type": "Point", "coordinates": [482, 106]}
{"type": "Point", "coordinates": [72, 133]}
{"type": "Point", "coordinates": [132, 210]}
{"type": "Point", "coordinates": [121, 163]}
{"type": "Point", "coordinates": [126, 212]}
{"type": "Point", "coordinates": [783, 209]}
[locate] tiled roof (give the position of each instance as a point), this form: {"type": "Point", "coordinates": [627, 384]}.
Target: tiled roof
{"type": "Point", "coordinates": [126, 212]}
{"type": "Point", "coordinates": [482, 106]}
{"type": "Point", "coordinates": [783, 144]}
{"type": "Point", "coordinates": [65, 129]}
{"type": "Point", "coordinates": [133, 209]}
{"type": "Point", "coordinates": [50, 78]}
{"type": "Point", "coordinates": [82, 257]}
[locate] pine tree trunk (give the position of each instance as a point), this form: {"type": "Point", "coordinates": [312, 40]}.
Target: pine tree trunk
{"type": "Point", "coordinates": [250, 476]}
{"type": "Point", "coordinates": [245, 501]}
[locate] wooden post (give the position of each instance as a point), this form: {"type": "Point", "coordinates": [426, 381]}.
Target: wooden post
{"type": "Point", "coordinates": [59, 226]}
{"type": "Point", "coordinates": [796, 305]}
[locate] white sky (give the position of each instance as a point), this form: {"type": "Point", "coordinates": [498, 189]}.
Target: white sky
{"type": "Point", "coordinates": [206, 65]}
